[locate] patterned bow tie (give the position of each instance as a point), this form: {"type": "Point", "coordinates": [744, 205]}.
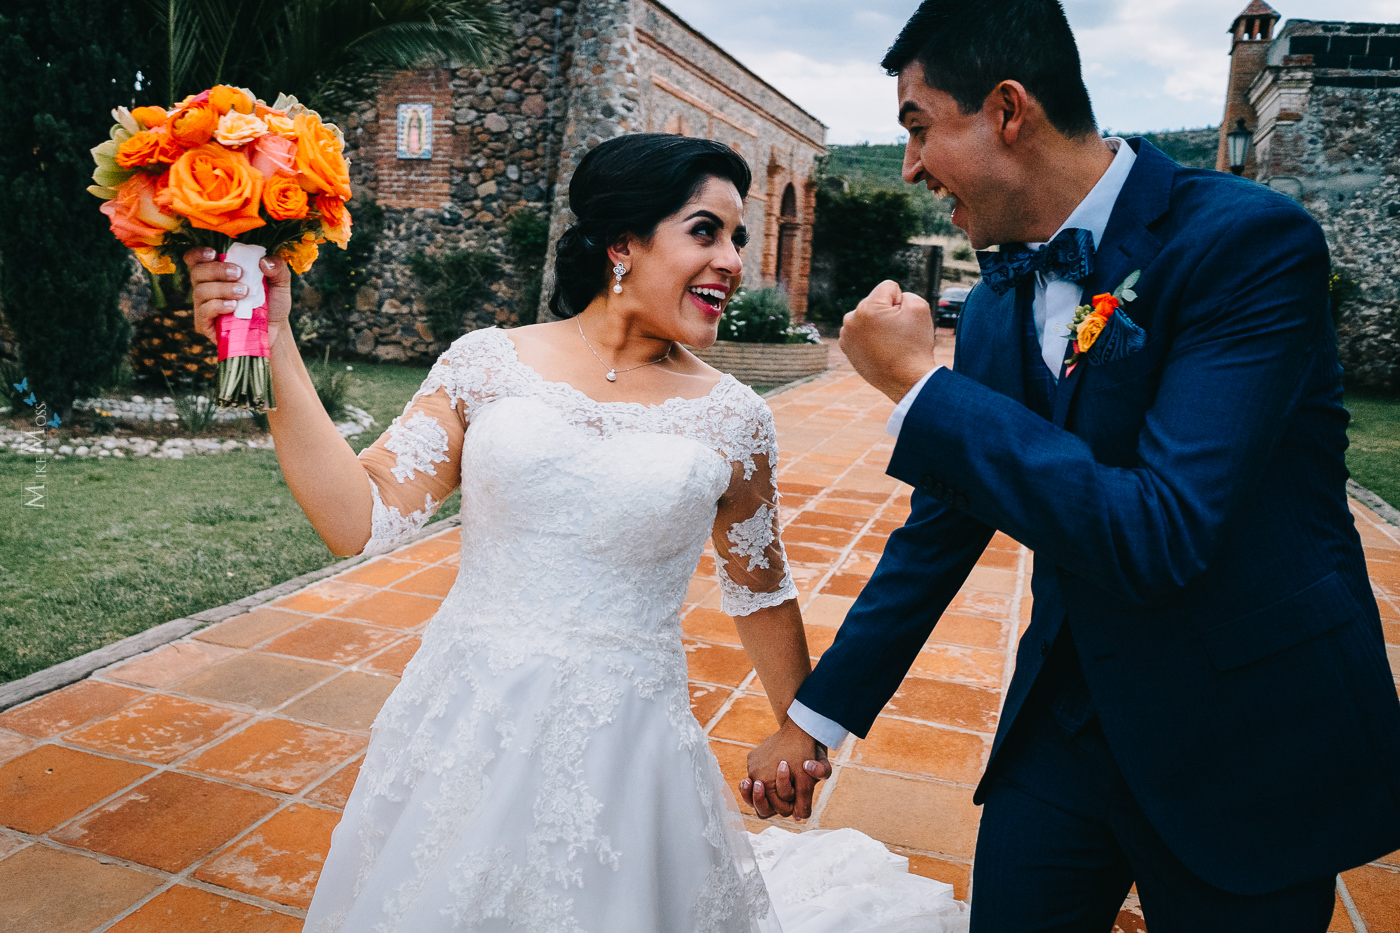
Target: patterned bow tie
{"type": "Point", "coordinates": [1070, 256]}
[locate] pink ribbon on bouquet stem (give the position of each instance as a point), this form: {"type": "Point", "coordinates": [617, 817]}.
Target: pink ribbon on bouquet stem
{"type": "Point", "coordinates": [244, 336]}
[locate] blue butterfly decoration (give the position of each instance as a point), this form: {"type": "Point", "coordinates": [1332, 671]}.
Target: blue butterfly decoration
{"type": "Point", "coordinates": [22, 385]}
{"type": "Point", "coordinates": [29, 399]}
{"type": "Point", "coordinates": [55, 421]}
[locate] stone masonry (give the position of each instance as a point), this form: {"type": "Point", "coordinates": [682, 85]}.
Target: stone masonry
{"type": "Point", "coordinates": [507, 140]}
{"type": "Point", "coordinates": [1325, 108]}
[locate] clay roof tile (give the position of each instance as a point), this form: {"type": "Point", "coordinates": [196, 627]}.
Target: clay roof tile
{"type": "Point", "coordinates": [1259, 8]}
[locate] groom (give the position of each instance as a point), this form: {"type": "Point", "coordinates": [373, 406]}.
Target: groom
{"type": "Point", "coordinates": [1202, 703]}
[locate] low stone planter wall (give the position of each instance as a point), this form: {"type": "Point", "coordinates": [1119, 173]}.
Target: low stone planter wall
{"type": "Point", "coordinates": [766, 363]}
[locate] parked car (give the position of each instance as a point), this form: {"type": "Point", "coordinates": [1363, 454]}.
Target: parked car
{"type": "Point", "coordinates": [950, 305]}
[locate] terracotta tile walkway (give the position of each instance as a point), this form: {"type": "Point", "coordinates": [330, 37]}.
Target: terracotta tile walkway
{"type": "Point", "coordinates": [195, 787]}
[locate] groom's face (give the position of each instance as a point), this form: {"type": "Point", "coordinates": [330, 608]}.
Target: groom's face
{"type": "Point", "coordinates": [957, 155]}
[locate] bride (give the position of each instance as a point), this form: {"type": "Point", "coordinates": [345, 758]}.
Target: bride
{"type": "Point", "coordinates": [538, 767]}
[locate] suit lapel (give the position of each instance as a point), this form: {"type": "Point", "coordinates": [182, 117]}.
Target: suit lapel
{"type": "Point", "coordinates": [1128, 245]}
{"type": "Point", "coordinates": [989, 347]}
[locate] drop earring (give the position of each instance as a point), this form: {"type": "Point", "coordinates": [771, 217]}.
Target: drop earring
{"type": "Point", "coordinates": [619, 271]}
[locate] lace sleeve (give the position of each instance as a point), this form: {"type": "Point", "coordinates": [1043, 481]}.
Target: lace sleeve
{"type": "Point", "coordinates": [416, 463]}
{"type": "Point", "coordinates": [753, 571]}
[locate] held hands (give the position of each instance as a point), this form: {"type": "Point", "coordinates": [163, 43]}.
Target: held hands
{"type": "Point", "coordinates": [784, 772]}
{"type": "Point", "coordinates": [217, 290]}
{"type": "Point", "coordinates": [889, 339]}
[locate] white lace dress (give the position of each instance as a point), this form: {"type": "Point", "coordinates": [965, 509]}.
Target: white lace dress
{"type": "Point", "coordinates": [538, 767]}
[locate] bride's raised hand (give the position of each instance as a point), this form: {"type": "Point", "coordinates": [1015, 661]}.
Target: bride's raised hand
{"type": "Point", "coordinates": [219, 285]}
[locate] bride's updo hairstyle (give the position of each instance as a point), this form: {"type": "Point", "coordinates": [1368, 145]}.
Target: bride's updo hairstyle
{"type": "Point", "coordinates": [628, 185]}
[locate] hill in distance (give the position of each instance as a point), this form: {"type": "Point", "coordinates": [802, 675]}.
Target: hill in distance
{"type": "Point", "coordinates": [877, 167]}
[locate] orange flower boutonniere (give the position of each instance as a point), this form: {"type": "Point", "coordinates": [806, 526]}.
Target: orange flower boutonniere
{"type": "Point", "coordinates": [1091, 319]}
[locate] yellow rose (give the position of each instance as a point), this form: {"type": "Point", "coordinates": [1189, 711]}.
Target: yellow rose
{"type": "Point", "coordinates": [155, 261]}
{"type": "Point", "coordinates": [320, 163]}
{"type": "Point", "coordinates": [215, 189]}
{"type": "Point", "coordinates": [238, 129]}
{"type": "Point", "coordinates": [281, 124]}
{"type": "Point", "coordinates": [1089, 330]}
{"type": "Point", "coordinates": [227, 99]}
{"type": "Point", "coordinates": [300, 254]}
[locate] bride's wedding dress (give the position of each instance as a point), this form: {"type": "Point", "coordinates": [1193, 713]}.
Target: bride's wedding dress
{"type": "Point", "coordinates": [538, 767]}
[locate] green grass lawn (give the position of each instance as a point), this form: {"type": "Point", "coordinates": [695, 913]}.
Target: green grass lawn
{"type": "Point", "coordinates": [125, 545]}
{"type": "Point", "coordinates": [1374, 456]}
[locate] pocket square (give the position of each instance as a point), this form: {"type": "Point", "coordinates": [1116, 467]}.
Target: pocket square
{"type": "Point", "coordinates": [1120, 338]}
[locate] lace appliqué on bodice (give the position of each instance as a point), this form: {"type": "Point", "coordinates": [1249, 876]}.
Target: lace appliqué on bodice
{"type": "Point", "coordinates": [582, 523]}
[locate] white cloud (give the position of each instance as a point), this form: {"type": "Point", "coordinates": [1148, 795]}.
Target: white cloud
{"type": "Point", "coordinates": [1148, 65]}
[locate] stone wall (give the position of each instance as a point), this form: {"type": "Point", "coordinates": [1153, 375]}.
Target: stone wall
{"type": "Point", "coordinates": [1328, 135]}
{"type": "Point", "coordinates": [495, 150]}
{"type": "Point", "coordinates": [509, 139]}
{"type": "Point", "coordinates": [1350, 159]}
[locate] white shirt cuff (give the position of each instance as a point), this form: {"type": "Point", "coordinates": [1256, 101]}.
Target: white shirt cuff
{"type": "Point", "coordinates": [896, 422]}
{"type": "Point", "coordinates": [829, 733]}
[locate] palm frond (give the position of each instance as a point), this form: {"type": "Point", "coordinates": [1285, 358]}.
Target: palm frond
{"type": "Point", "coordinates": [326, 42]}
{"type": "Point", "coordinates": [305, 47]}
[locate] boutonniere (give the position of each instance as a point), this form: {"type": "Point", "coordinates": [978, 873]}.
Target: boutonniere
{"type": "Point", "coordinates": [1091, 320]}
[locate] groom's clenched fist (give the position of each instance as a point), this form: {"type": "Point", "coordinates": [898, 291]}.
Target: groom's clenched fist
{"type": "Point", "coordinates": [889, 339]}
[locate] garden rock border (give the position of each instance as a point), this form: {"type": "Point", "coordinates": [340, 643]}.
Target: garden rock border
{"type": "Point", "coordinates": [173, 448]}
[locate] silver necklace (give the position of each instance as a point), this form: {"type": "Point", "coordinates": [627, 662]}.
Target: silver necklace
{"type": "Point", "coordinates": [612, 370]}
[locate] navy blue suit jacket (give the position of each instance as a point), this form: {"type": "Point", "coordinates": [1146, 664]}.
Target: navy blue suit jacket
{"type": "Point", "coordinates": [1186, 505]}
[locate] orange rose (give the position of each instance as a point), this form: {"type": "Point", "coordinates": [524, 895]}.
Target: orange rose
{"type": "Point", "coordinates": [300, 254]}
{"type": "Point", "coordinates": [147, 147]}
{"type": "Point", "coordinates": [284, 198]}
{"type": "Point", "coordinates": [216, 189]}
{"type": "Point", "coordinates": [195, 125]}
{"type": "Point", "coordinates": [224, 98]}
{"type": "Point", "coordinates": [319, 159]}
{"type": "Point", "coordinates": [335, 219]}
{"type": "Point", "coordinates": [135, 214]}
{"type": "Point", "coordinates": [1105, 305]}
{"type": "Point", "coordinates": [1089, 330]}
{"type": "Point", "coordinates": [150, 116]}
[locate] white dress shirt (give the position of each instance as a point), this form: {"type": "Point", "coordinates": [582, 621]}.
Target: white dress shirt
{"type": "Point", "coordinates": [1053, 308]}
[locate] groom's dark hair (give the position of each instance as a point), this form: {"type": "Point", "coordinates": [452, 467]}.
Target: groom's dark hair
{"type": "Point", "coordinates": [968, 47]}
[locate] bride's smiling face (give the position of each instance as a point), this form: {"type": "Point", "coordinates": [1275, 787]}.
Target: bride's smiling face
{"type": "Point", "coordinates": [681, 279]}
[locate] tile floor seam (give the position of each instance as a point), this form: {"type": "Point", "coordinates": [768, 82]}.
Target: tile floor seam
{"type": "Point", "coordinates": [727, 705]}
{"type": "Point", "coordinates": [839, 761]}
{"type": "Point", "coordinates": [1353, 913]}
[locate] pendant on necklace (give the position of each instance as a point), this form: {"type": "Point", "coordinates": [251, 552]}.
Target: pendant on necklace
{"type": "Point", "coordinates": [612, 375]}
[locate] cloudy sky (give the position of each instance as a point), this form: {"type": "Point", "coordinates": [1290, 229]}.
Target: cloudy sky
{"type": "Point", "coordinates": [1149, 64]}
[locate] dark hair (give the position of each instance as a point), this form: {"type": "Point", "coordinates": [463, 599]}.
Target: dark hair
{"type": "Point", "coordinates": [627, 185]}
{"type": "Point", "coordinates": [968, 47]}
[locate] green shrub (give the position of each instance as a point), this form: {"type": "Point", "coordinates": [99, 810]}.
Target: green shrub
{"type": "Point", "coordinates": [64, 64]}
{"type": "Point", "coordinates": [338, 276]}
{"type": "Point", "coordinates": [527, 234]}
{"type": "Point", "coordinates": [333, 384]}
{"type": "Point", "coordinates": [857, 239]}
{"type": "Point", "coordinates": [759, 316]}
{"type": "Point", "coordinates": [452, 283]}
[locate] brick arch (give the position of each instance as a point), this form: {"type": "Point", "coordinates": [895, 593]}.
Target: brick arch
{"type": "Point", "coordinates": [787, 240]}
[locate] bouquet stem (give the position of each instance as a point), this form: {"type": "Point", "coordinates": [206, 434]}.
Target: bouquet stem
{"type": "Point", "coordinates": [245, 377]}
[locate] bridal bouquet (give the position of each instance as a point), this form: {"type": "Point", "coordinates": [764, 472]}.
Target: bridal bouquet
{"type": "Point", "coordinates": [222, 169]}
